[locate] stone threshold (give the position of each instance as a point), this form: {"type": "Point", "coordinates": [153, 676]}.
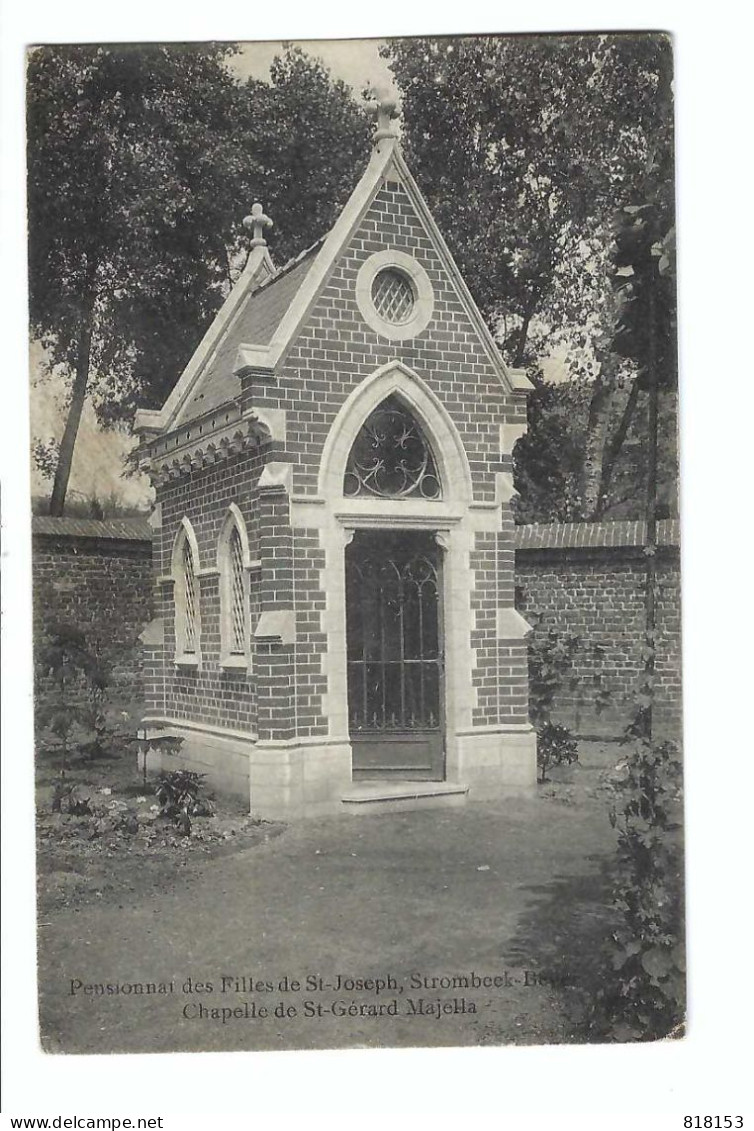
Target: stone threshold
{"type": "Point", "coordinates": [378, 795]}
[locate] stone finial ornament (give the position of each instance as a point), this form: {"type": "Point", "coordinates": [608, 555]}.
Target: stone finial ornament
{"type": "Point", "coordinates": [256, 223]}
{"type": "Point", "coordinates": [384, 110]}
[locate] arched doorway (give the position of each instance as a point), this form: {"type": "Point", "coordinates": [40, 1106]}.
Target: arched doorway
{"type": "Point", "coordinates": [416, 504]}
{"type": "Point", "coordinates": [395, 655]}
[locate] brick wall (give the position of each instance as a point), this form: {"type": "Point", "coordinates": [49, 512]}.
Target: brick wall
{"type": "Point", "coordinates": [332, 355]}
{"type": "Point", "coordinates": [581, 580]}
{"type": "Point", "coordinates": [98, 577]}
{"type": "Point", "coordinates": [218, 697]}
{"type": "Point", "coordinates": [586, 580]}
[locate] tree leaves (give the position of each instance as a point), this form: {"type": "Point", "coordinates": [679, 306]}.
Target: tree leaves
{"type": "Point", "coordinates": [143, 161]}
{"type": "Point", "coordinates": [542, 138]}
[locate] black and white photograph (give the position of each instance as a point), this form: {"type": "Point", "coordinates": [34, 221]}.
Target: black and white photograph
{"type": "Point", "coordinates": [355, 543]}
{"type": "Point", "coordinates": [373, 568]}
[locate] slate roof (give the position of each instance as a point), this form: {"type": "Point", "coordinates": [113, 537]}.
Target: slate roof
{"type": "Point", "coordinates": [255, 324]}
{"type": "Point", "coordinates": [120, 529]}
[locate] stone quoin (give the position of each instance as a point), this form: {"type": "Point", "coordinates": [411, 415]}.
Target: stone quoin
{"type": "Point", "coordinates": [333, 539]}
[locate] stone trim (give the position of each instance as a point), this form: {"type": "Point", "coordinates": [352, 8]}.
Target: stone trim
{"type": "Point", "coordinates": [447, 448]}
{"type": "Point", "coordinates": [424, 299]}
{"type": "Point", "coordinates": [454, 519]}
{"type": "Point", "coordinates": [258, 266]}
{"type": "Point", "coordinates": [185, 533]}
{"type": "Point", "coordinates": [205, 442]}
{"type": "Point", "coordinates": [510, 434]}
{"type": "Point", "coordinates": [593, 535]}
{"type": "Point", "coordinates": [512, 383]}
{"type": "Point", "coordinates": [511, 625]}
{"type": "Point", "coordinates": [276, 626]}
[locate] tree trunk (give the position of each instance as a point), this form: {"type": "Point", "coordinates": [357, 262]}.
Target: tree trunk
{"type": "Point", "coordinates": [596, 433]}
{"type": "Point", "coordinates": [523, 333]}
{"type": "Point", "coordinates": [650, 552]}
{"type": "Point", "coordinates": [68, 443]}
{"type": "Point", "coordinates": [613, 449]}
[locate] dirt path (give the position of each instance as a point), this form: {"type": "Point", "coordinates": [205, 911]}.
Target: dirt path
{"type": "Point", "coordinates": [399, 897]}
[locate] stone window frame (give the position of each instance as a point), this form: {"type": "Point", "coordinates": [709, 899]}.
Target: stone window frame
{"type": "Point", "coordinates": [186, 538]}
{"type": "Point", "coordinates": [424, 297]}
{"type": "Point", "coordinates": [234, 522]}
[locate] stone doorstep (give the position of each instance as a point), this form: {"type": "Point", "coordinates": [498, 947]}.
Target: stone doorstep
{"type": "Point", "coordinates": [379, 796]}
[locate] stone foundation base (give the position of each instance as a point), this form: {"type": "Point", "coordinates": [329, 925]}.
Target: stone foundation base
{"type": "Point", "coordinates": [496, 763]}
{"type": "Point", "coordinates": [298, 780]}
{"type": "Point", "coordinates": [222, 757]}
{"type": "Point", "coordinates": [291, 779]}
{"type": "Point", "coordinates": [276, 779]}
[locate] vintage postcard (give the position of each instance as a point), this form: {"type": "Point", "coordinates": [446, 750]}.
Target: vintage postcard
{"type": "Point", "coordinates": [355, 543]}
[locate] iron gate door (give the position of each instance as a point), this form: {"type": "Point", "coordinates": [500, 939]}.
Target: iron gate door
{"type": "Point", "coordinates": [394, 655]}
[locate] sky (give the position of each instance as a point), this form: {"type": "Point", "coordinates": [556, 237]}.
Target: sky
{"type": "Point", "coordinates": [355, 61]}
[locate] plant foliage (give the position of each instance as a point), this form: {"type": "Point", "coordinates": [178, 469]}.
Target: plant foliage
{"type": "Point", "coordinates": [177, 793]}
{"type": "Point", "coordinates": [143, 161]}
{"type": "Point", "coordinates": [642, 995]}
{"type": "Point", "coordinates": [543, 138]}
{"type": "Point", "coordinates": [555, 746]}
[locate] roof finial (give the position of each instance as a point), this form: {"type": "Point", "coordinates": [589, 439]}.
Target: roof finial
{"type": "Point", "coordinates": [384, 109]}
{"type": "Point", "coordinates": [256, 223]}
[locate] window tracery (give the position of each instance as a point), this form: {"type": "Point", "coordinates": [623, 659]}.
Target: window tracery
{"type": "Point", "coordinates": [391, 458]}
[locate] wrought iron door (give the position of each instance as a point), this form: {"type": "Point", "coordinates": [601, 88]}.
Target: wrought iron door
{"type": "Point", "coordinates": [394, 655]}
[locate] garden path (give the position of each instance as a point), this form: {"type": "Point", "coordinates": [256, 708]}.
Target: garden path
{"type": "Point", "coordinates": [489, 888]}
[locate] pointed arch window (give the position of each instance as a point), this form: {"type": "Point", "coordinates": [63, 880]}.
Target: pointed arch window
{"type": "Point", "coordinates": [238, 612]}
{"type": "Point", "coordinates": [187, 597]}
{"type": "Point", "coordinates": [234, 565]}
{"type": "Point", "coordinates": [391, 458]}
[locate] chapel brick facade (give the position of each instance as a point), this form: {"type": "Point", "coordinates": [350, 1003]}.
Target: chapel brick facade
{"type": "Point", "coordinates": [255, 439]}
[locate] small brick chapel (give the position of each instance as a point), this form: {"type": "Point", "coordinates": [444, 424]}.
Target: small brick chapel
{"type": "Point", "coordinates": [333, 539]}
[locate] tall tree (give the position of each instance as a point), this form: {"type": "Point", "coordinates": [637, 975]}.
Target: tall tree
{"type": "Point", "coordinates": [142, 163]}
{"type": "Point", "coordinates": [542, 137]}
{"type": "Point", "coordinates": [645, 332]}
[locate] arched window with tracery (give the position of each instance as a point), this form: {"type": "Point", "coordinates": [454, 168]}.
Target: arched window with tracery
{"type": "Point", "coordinates": [234, 566]}
{"type": "Point", "coordinates": [391, 457]}
{"type": "Point", "coordinates": [186, 597]}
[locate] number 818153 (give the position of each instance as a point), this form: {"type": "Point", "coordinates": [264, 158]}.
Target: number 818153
{"type": "Point", "coordinates": [713, 1121]}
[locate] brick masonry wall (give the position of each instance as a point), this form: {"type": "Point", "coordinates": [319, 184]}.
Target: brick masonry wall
{"type": "Point", "coordinates": [212, 695]}
{"type": "Point", "coordinates": [98, 577]}
{"type": "Point", "coordinates": [335, 351]}
{"type": "Point", "coordinates": [583, 580]}
{"type": "Point", "coordinates": [587, 581]}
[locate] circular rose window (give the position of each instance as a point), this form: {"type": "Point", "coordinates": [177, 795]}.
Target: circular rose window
{"type": "Point", "coordinates": [393, 296]}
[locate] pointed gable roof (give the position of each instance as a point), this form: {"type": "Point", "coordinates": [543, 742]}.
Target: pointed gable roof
{"type": "Point", "coordinates": [265, 311]}
{"type": "Point", "coordinates": [254, 321]}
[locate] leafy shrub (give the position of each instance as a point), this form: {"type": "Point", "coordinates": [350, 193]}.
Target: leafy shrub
{"type": "Point", "coordinates": [178, 795]}
{"type": "Point", "coordinates": [643, 991]}
{"type": "Point", "coordinates": [66, 657]}
{"type": "Point", "coordinates": [550, 663]}
{"type": "Point", "coordinates": [555, 745]}
{"type": "Point", "coordinates": [73, 708]}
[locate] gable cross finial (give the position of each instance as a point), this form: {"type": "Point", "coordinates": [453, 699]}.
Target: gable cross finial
{"type": "Point", "coordinates": [384, 110]}
{"type": "Point", "coordinates": [256, 223]}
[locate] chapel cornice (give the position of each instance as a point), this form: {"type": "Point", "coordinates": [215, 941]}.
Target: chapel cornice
{"type": "Point", "coordinates": [212, 439]}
